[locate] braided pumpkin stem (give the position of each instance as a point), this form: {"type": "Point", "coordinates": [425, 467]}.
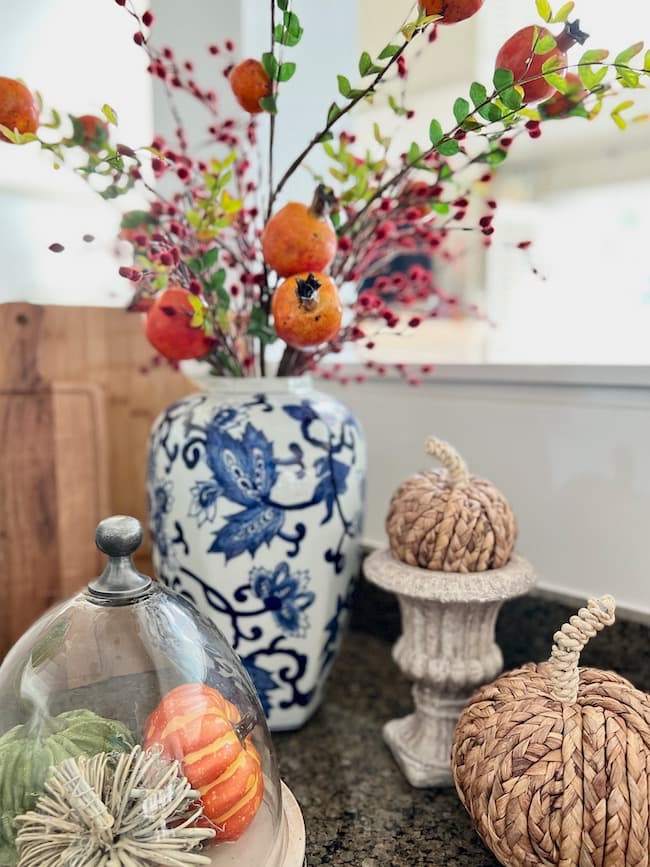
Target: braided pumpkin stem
{"type": "Point", "coordinates": [570, 642]}
{"type": "Point", "coordinates": [456, 467]}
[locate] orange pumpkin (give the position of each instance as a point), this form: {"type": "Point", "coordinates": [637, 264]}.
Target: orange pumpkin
{"type": "Point", "coordinates": [198, 726]}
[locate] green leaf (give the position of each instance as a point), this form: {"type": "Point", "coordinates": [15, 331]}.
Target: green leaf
{"type": "Point", "coordinates": [270, 65]}
{"type": "Point", "coordinates": [589, 78]}
{"type": "Point", "coordinates": [384, 141]}
{"type": "Point", "coordinates": [286, 71]}
{"type": "Point", "coordinates": [562, 14]}
{"type": "Point", "coordinates": [270, 104]}
{"type": "Point", "coordinates": [478, 93]}
{"type": "Point", "coordinates": [513, 98]}
{"type": "Point", "coordinates": [435, 132]}
{"type": "Point", "coordinates": [646, 61]}
{"type": "Point", "coordinates": [283, 5]}
{"type": "Point", "coordinates": [461, 109]}
{"type": "Point", "coordinates": [209, 259]}
{"type": "Point", "coordinates": [552, 64]}
{"type": "Point", "coordinates": [544, 9]}
{"type": "Point", "coordinates": [558, 82]}
{"type": "Point", "coordinates": [285, 37]}
{"type": "Point", "coordinates": [503, 78]}
{"type": "Point", "coordinates": [627, 77]}
{"type": "Point", "coordinates": [440, 207]}
{"type": "Point", "coordinates": [365, 64]}
{"type": "Point", "coordinates": [110, 114]}
{"type": "Point", "coordinates": [545, 44]}
{"type": "Point", "coordinates": [333, 113]}
{"type": "Point", "coordinates": [448, 148]}
{"type": "Point", "coordinates": [491, 112]}
{"type": "Point", "coordinates": [414, 153]}
{"type": "Point", "coordinates": [389, 51]}
{"type": "Point", "coordinates": [399, 110]}
{"type": "Point", "coordinates": [496, 157]}
{"type": "Point", "coordinates": [258, 326]}
{"type": "Point", "coordinates": [627, 54]}
{"type": "Point", "coordinates": [327, 136]}
{"type": "Point", "coordinates": [198, 317]}
{"type": "Point", "coordinates": [292, 24]}
{"type": "Point", "coordinates": [345, 88]}
{"type": "Point", "coordinates": [594, 55]}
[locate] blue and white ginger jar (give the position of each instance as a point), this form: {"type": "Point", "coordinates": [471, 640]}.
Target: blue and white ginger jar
{"type": "Point", "coordinates": [256, 495]}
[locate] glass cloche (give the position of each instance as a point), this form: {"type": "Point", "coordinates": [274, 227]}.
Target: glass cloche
{"type": "Point", "coordinates": [131, 735]}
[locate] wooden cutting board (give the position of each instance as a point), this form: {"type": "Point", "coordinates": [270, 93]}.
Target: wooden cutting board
{"type": "Point", "coordinates": [53, 477]}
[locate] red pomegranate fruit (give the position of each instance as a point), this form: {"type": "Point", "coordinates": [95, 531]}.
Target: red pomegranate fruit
{"type": "Point", "coordinates": [452, 11]}
{"type": "Point", "coordinates": [518, 55]}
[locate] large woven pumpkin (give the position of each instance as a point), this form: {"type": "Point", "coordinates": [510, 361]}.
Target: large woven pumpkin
{"type": "Point", "coordinates": [553, 762]}
{"type": "Point", "coordinates": [449, 521]}
{"type": "Point", "coordinates": [206, 733]}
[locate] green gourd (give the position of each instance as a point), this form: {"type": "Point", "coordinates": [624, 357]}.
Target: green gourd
{"type": "Point", "coordinates": [28, 752]}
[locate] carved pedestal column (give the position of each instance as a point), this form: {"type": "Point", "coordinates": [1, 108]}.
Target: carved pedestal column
{"type": "Point", "coordinates": [447, 648]}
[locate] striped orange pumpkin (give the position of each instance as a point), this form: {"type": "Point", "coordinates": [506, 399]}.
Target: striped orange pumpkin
{"type": "Point", "coordinates": [197, 725]}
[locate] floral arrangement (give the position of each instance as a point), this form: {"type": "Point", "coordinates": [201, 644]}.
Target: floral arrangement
{"type": "Point", "coordinates": [221, 271]}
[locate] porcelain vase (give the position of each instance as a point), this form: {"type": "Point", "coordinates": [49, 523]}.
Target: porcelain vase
{"type": "Point", "coordinates": [256, 499]}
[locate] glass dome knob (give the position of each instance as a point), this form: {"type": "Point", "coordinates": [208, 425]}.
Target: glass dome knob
{"type": "Point", "coordinates": [120, 582]}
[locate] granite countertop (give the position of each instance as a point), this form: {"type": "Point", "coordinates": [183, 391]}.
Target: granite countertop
{"type": "Point", "coordinates": [358, 808]}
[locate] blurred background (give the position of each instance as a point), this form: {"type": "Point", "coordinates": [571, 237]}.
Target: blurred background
{"type": "Point", "coordinates": [548, 395]}
{"type": "Point", "coordinates": [579, 193]}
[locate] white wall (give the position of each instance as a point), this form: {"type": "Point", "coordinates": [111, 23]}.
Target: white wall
{"type": "Point", "coordinates": [572, 457]}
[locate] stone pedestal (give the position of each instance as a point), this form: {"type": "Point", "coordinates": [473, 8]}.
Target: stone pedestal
{"type": "Point", "coordinates": [447, 648]}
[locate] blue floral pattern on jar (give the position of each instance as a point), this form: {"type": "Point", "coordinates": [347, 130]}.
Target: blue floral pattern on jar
{"type": "Point", "coordinates": [256, 494]}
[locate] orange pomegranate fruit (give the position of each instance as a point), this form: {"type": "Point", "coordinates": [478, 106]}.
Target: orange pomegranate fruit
{"type": "Point", "coordinates": [169, 328]}
{"type": "Point", "coordinates": [301, 237]}
{"type": "Point", "coordinates": [95, 132]}
{"type": "Point", "coordinates": [307, 310]}
{"type": "Point", "coordinates": [517, 54]}
{"type": "Point", "coordinates": [250, 83]}
{"type": "Point", "coordinates": [195, 725]}
{"type": "Point", "coordinates": [560, 104]}
{"type": "Point", "coordinates": [18, 108]}
{"type": "Point", "coordinates": [452, 11]}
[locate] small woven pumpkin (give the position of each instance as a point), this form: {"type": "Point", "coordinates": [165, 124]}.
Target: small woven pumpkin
{"type": "Point", "coordinates": [552, 762]}
{"type": "Point", "coordinates": [449, 521]}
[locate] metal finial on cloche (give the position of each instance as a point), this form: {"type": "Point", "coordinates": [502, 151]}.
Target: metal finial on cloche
{"type": "Point", "coordinates": [120, 582]}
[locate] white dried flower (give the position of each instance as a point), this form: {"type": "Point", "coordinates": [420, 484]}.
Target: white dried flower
{"type": "Point", "coordinates": [129, 810]}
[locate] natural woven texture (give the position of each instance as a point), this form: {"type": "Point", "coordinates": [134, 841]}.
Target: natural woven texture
{"type": "Point", "coordinates": [551, 782]}
{"type": "Point", "coordinates": [449, 521]}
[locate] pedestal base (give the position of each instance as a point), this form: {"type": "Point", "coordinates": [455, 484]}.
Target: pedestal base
{"type": "Point", "coordinates": [447, 648]}
{"type": "Point", "coordinates": [421, 743]}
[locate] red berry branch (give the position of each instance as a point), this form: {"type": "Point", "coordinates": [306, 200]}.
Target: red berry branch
{"type": "Point", "coordinates": [221, 273]}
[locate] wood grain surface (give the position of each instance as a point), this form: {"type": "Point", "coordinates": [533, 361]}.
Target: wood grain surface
{"type": "Point", "coordinates": [75, 413]}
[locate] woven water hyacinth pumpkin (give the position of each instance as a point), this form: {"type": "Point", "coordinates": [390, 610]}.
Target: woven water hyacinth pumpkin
{"type": "Point", "coordinates": [449, 521]}
{"type": "Point", "coordinates": [552, 762]}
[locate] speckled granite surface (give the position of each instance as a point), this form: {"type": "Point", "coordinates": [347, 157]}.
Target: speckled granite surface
{"type": "Point", "coordinates": [358, 808]}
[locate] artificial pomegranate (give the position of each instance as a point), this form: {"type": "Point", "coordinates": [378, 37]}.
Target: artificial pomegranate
{"type": "Point", "coordinates": [301, 237]}
{"type": "Point", "coordinates": [560, 104]}
{"type": "Point", "coordinates": [94, 130]}
{"type": "Point", "coordinates": [307, 310]}
{"type": "Point", "coordinates": [18, 108]}
{"type": "Point", "coordinates": [250, 83]}
{"type": "Point", "coordinates": [517, 55]}
{"type": "Point", "coordinates": [169, 328]}
{"type": "Point", "coordinates": [452, 11]}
